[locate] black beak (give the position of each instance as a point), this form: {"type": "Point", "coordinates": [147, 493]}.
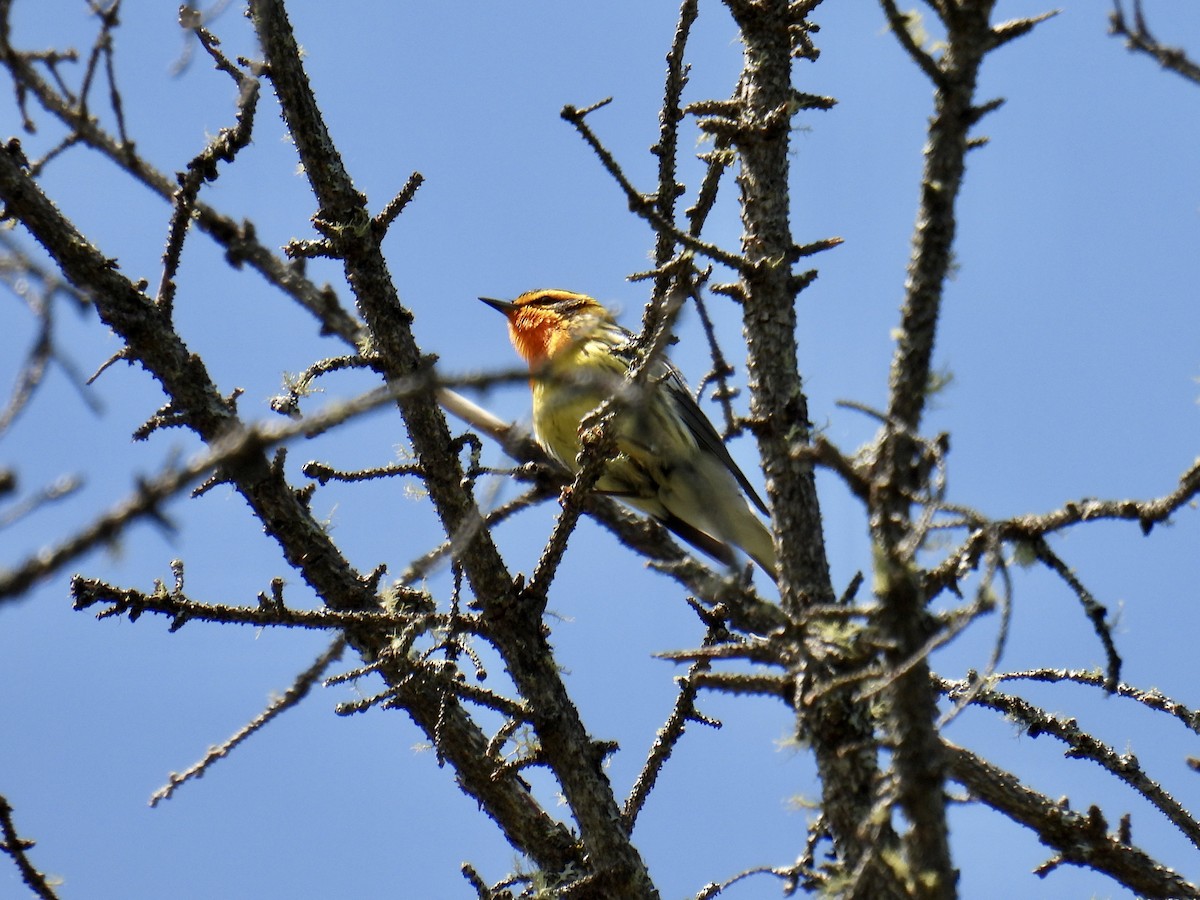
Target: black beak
{"type": "Point", "coordinates": [503, 306]}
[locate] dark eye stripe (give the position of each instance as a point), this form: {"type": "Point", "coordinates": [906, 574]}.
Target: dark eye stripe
{"type": "Point", "coordinates": [564, 300]}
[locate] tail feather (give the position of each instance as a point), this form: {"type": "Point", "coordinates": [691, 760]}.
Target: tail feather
{"type": "Point", "coordinates": [755, 541]}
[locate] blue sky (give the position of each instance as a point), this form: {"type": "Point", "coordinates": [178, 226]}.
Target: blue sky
{"type": "Point", "coordinates": [1070, 330]}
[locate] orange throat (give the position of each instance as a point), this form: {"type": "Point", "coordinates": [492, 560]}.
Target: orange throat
{"type": "Point", "coordinates": [537, 335]}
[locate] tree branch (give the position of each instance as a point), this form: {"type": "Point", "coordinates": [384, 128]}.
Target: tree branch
{"type": "Point", "coordinates": [900, 470]}
{"type": "Point", "coordinates": [1082, 745]}
{"type": "Point", "coordinates": [17, 847]}
{"type": "Point", "coordinates": [838, 725]}
{"type": "Point", "coordinates": [1079, 839]}
{"type": "Point", "coordinates": [1138, 39]}
{"type": "Point", "coordinates": [517, 631]}
{"type": "Point", "coordinates": [290, 698]}
{"type": "Point", "coordinates": [305, 544]}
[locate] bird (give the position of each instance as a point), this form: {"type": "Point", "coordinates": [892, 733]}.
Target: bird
{"type": "Point", "coordinates": [670, 462]}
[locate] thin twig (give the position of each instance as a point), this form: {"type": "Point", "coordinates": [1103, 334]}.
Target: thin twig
{"type": "Point", "coordinates": [1083, 745]}
{"type": "Point", "coordinates": [17, 847]}
{"type": "Point", "coordinates": [203, 167]}
{"type": "Point", "coordinates": [669, 735]}
{"type": "Point", "coordinates": [151, 492]}
{"type": "Point", "coordinates": [291, 697]}
{"type": "Point", "coordinates": [639, 203]}
{"type": "Point", "coordinates": [1139, 39]}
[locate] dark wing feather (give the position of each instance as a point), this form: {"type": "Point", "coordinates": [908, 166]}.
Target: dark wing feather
{"type": "Point", "coordinates": [704, 432]}
{"type": "Point", "coordinates": [697, 423]}
{"type": "Point", "coordinates": [698, 539]}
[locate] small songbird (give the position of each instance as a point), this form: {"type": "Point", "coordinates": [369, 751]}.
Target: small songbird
{"type": "Point", "coordinates": [670, 462]}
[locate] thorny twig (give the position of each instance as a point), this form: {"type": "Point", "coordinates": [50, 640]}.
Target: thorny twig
{"type": "Point", "coordinates": [1081, 839]}
{"type": "Point", "coordinates": [1139, 39]}
{"type": "Point", "coordinates": [151, 492]}
{"type": "Point", "coordinates": [290, 698]}
{"type": "Point", "coordinates": [203, 168]}
{"type": "Point", "coordinates": [17, 847]}
{"type": "Point", "coordinates": [1082, 745]}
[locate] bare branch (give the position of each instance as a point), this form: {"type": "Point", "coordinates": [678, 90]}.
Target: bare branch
{"type": "Point", "coordinates": [58, 489]}
{"type": "Point", "coordinates": [239, 240]}
{"type": "Point", "coordinates": [285, 515]}
{"type": "Point", "coordinates": [17, 847]}
{"type": "Point", "coordinates": [901, 25]}
{"type": "Point", "coordinates": [1094, 609]}
{"type": "Point", "coordinates": [1030, 528]}
{"type": "Point", "coordinates": [1083, 745]}
{"type": "Point", "coordinates": [757, 123]}
{"type": "Point", "coordinates": [291, 697]}
{"type": "Point", "coordinates": [901, 466]}
{"type": "Point", "coordinates": [667, 150]}
{"type": "Point", "coordinates": [671, 732]}
{"type": "Point", "coordinates": [382, 222]}
{"type": "Point", "coordinates": [147, 500]}
{"type": "Point", "coordinates": [224, 147]}
{"type": "Point", "coordinates": [639, 203]}
{"type": "Point", "coordinates": [517, 630]}
{"type": "Point", "coordinates": [129, 602]}
{"type": "Point", "coordinates": [1139, 40]}
{"type": "Point", "coordinates": [1152, 699]}
{"type": "Point", "coordinates": [1080, 839]}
